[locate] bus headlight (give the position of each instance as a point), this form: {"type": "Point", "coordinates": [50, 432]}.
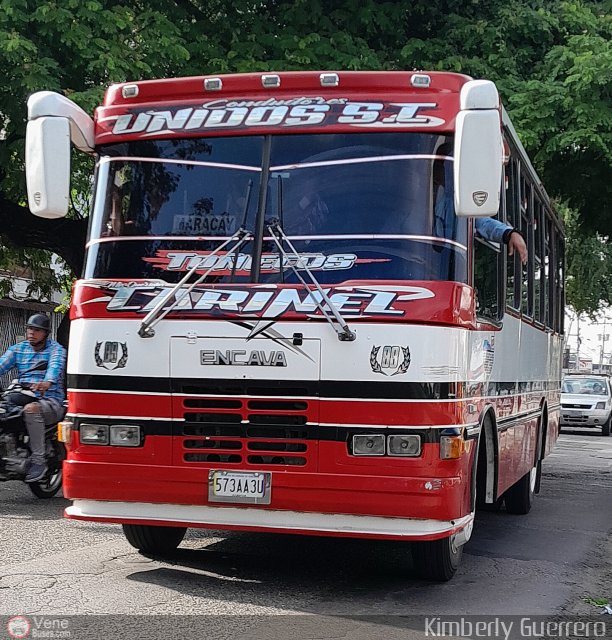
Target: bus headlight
{"type": "Point", "coordinates": [93, 433]}
{"type": "Point", "coordinates": [125, 435]}
{"type": "Point", "coordinates": [369, 445]}
{"type": "Point", "coordinates": [408, 445]}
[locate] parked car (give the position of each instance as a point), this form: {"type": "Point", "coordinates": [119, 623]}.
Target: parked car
{"type": "Point", "coordinates": [586, 401]}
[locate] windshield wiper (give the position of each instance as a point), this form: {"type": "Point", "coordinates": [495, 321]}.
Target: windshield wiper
{"type": "Point", "coordinates": [344, 333]}
{"type": "Point", "coordinates": [156, 314]}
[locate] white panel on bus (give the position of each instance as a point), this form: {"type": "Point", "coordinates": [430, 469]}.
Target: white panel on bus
{"type": "Point", "coordinates": [235, 358]}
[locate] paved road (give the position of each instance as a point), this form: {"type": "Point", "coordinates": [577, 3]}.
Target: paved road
{"type": "Point", "coordinates": [542, 563]}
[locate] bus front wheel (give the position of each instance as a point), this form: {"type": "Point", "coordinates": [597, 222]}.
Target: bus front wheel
{"type": "Point", "coordinates": [150, 539]}
{"type": "Point", "coordinates": [437, 560]}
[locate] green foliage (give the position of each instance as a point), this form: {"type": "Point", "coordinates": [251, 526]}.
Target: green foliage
{"type": "Point", "coordinates": [551, 60]}
{"type": "Point", "coordinates": [19, 260]}
{"type": "Point", "coordinates": [589, 256]}
{"type": "Point", "coordinates": [596, 602]}
{"type": "Point", "coordinates": [76, 48]}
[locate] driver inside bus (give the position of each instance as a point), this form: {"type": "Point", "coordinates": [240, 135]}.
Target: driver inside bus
{"type": "Point", "coordinates": [489, 229]}
{"type": "Point", "coordinates": [117, 214]}
{"type": "Point", "coordinates": [310, 217]}
{"type": "Point", "coordinates": [313, 215]}
{"type": "Point", "coordinates": [114, 224]}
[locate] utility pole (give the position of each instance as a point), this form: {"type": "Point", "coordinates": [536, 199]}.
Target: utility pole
{"type": "Point", "coordinates": [603, 337]}
{"type": "Point", "coordinates": [577, 342]}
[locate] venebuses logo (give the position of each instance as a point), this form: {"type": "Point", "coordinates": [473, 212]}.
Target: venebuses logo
{"type": "Point", "coordinates": [38, 627]}
{"type": "Point", "coordinates": [18, 627]}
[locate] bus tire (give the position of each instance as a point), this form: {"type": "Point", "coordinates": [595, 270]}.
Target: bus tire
{"type": "Point", "coordinates": [494, 507]}
{"type": "Point", "coordinates": [152, 539]}
{"type": "Point", "coordinates": [519, 496]}
{"type": "Point", "coordinates": [436, 560]}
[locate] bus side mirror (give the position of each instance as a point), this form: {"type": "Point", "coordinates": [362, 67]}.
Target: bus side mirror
{"type": "Point", "coordinates": [478, 151]}
{"type": "Point", "coordinates": [54, 122]}
{"type": "Point", "coordinates": [48, 166]}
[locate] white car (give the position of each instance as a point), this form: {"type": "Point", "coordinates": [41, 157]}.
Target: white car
{"type": "Point", "coordinates": [586, 401]}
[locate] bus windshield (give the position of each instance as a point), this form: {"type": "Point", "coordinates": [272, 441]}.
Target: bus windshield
{"type": "Point", "coordinates": [586, 386]}
{"type": "Point", "coordinates": [355, 207]}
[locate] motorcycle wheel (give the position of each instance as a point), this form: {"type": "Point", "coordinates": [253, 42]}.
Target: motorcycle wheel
{"type": "Point", "coordinates": [49, 486]}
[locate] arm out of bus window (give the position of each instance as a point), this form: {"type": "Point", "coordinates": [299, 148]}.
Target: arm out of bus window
{"type": "Point", "coordinates": [493, 230]}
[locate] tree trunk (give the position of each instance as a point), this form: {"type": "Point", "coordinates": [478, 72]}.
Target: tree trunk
{"type": "Point", "coordinates": [65, 237]}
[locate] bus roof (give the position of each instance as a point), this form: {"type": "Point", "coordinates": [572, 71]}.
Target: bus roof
{"type": "Point", "coordinates": [271, 83]}
{"type": "Point", "coordinates": [272, 103]}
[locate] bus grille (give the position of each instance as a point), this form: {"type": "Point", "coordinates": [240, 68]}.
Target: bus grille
{"type": "Point", "coordinates": [245, 432]}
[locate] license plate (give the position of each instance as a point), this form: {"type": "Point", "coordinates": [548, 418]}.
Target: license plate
{"type": "Point", "coordinates": [245, 487]}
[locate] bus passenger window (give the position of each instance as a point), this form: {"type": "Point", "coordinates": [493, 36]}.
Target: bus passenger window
{"type": "Point", "coordinates": [486, 284]}
{"type": "Point", "coordinates": [513, 218]}
{"type": "Point", "coordinates": [527, 228]}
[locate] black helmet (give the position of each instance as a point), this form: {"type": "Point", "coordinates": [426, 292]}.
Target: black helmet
{"type": "Point", "coordinates": [39, 321]}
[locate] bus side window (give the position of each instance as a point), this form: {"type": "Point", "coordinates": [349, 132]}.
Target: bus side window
{"type": "Point", "coordinates": [513, 218]}
{"type": "Point", "coordinates": [486, 283]}
{"type": "Point", "coordinates": [539, 290]}
{"type": "Point", "coordinates": [560, 284]}
{"type": "Point", "coordinates": [527, 229]}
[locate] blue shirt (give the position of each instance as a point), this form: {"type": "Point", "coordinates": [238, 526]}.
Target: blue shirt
{"type": "Point", "coordinates": [491, 229]}
{"type": "Point", "coordinates": [21, 356]}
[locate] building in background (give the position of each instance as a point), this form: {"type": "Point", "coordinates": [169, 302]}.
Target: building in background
{"type": "Point", "coordinates": [588, 346]}
{"type": "Point", "coordinates": [16, 308]}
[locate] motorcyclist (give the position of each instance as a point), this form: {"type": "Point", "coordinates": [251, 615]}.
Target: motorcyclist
{"type": "Point", "coordinates": [48, 385]}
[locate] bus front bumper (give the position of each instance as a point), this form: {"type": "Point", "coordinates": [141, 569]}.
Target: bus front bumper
{"type": "Point", "coordinates": [266, 520]}
{"type": "Point", "coordinates": [387, 507]}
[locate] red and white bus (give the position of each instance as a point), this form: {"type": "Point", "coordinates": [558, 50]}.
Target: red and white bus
{"type": "Point", "coordinates": [285, 322]}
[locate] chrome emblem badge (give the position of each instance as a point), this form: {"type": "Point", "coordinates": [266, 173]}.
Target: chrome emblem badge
{"type": "Point", "coordinates": [479, 197]}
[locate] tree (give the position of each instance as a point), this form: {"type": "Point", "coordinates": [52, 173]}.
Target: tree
{"type": "Point", "coordinates": [588, 283]}
{"type": "Point", "coordinates": [76, 48]}
{"type": "Point", "coordinates": [551, 60]}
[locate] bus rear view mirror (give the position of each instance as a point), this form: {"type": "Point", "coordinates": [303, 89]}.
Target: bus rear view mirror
{"type": "Point", "coordinates": [48, 166]}
{"type": "Point", "coordinates": [54, 122]}
{"type": "Point", "coordinates": [478, 151]}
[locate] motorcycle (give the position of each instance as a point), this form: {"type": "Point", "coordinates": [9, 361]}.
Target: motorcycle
{"type": "Point", "coordinates": [14, 449]}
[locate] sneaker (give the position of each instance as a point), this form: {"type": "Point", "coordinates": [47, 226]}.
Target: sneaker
{"type": "Point", "coordinates": [37, 471]}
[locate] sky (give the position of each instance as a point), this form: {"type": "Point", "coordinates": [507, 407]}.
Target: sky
{"type": "Point", "coordinates": [591, 334]}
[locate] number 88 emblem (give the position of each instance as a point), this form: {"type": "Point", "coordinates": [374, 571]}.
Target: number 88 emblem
{"type": "Point", "coordinates": [392, 357]}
